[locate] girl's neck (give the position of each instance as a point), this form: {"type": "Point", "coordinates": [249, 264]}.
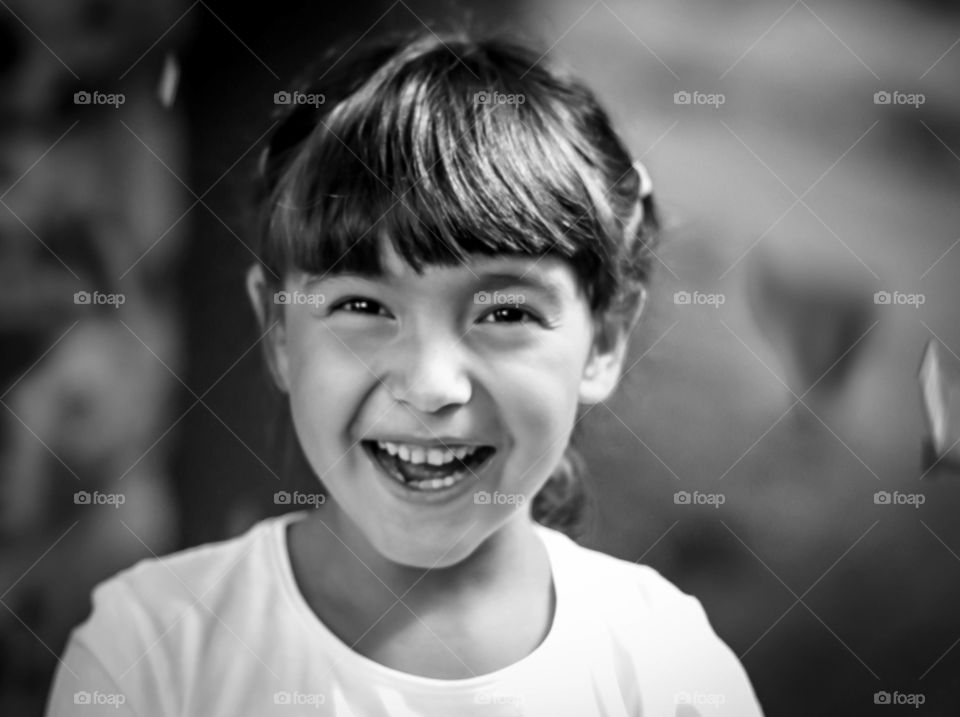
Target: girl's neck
{"type": "Point", "coordinates": [491, 609]}
{"type": "Point", "coordinates": [339, 550]}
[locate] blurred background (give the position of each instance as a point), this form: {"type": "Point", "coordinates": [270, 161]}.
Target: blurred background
{"type": "Point", "coordinates": [769, 450]}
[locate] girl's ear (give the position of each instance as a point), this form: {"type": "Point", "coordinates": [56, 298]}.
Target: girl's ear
{"type": "Point", "coordinates": [605, 362]}
{"type": "Point", "coordinates": [269, 315]}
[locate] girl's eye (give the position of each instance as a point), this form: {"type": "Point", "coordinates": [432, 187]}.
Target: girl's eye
{"type": "Point", "coordinates": [509, 315]}
{"type": "Point", "coordinates": [360, 306]}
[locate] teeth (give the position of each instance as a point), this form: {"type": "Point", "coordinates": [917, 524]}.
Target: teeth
{"type": "Point", "coordinates": [419, 455]}
{"type": "Point", "coordinates": [436, 483]}
{"type": "Point", "coordinates": [435, 456]}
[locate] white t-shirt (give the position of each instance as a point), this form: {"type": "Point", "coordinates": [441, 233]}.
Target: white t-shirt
{"type": "Point", "coordinates": [223, 630]}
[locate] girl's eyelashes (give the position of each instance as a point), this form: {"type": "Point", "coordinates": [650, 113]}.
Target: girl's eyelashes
{"type": "Point", "coordinates": [360, 305]}
{"type": "Point", "coordinates": [507, 314]}
{"type": "Point", "coordinates": [512, 315]}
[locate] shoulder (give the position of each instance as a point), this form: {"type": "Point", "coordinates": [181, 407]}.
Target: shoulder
{"type": "Point", "coordinates": [658, 637]}
{"type": "Point", "coordinates": [620, 584]}
{"type": "Point", "coordinates": [191, 572]}
{"type": "Point", "coordinates": [176, 593]}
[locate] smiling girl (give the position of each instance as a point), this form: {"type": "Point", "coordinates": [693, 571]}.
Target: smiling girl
{"type": "Point", "coordinates": [455, 249]}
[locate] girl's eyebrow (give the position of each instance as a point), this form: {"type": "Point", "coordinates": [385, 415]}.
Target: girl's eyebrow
{"type": "Point", "coordinates": [495, 280]}
{"type": "Point", "coordinates": [343, 276]}
{"type": "Point", "coordinates": [552, 291]}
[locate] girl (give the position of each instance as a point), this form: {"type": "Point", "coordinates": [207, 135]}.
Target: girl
{"type": "Point", "coordinates": [455, 249]}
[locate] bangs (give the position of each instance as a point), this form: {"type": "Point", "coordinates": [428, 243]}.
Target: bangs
{"type": "Point", "coordinates": [450, 153]}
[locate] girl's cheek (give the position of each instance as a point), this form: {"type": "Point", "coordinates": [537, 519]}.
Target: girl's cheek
{"type": "Point", "coordinates": [300, 349]}
{"type": "Point", "coordinates": [319, 364]}
{"type": "Point", "coordinates": [540, 363]}
{"type": "Point", "coordinates": [330, 367]}
{"type": "Point", "coordinates": [356, 337]}
{"type": "Point", "coordinates": [538, 393]}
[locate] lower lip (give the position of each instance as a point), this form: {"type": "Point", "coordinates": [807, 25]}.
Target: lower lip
{"type": "Point", "coordinates": [469, 483]}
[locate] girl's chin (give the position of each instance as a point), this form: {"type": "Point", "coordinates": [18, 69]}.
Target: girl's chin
{"type": "Point", "coordinates": [438, 546]}
{"type": "Point", "coordinates": [440, 549]}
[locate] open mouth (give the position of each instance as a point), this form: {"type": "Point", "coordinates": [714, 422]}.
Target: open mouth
{"type": "Point", "coordinates": [428, 468]}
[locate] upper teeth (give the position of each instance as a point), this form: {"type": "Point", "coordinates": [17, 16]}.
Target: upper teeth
{"type": "Point", "coordinates": [419, 454]}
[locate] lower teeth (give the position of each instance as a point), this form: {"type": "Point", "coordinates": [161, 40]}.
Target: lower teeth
{"type": "Point", "coordinates": [435, 483]}
{"type": "Point", "coordinates": [427, 483]}
{"type": "Point", "coordinates": [421, 484]}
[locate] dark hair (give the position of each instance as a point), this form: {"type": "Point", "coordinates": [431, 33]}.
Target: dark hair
{"type": "Point", "coordinates": [454, 146]}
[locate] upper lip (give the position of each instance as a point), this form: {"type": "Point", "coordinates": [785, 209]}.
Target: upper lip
{"type": "Point", "coordinates": [432, 442]}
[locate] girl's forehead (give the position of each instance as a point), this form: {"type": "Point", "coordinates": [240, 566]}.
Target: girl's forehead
{"type": "Point", "coordinates": [552, 276]}
{"type": "Point", "coordinates": [395, 266]}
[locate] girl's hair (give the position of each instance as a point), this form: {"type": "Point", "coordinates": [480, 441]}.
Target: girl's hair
{"type": "Point", "coordinates": [451, 146]}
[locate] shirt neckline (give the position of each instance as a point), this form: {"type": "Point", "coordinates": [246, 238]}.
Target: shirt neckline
{"type": "Point", "coordinates": [537, 660]}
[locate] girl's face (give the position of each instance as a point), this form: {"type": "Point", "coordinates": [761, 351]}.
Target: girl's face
{"type": "Point", "coordinates": [495, 355]}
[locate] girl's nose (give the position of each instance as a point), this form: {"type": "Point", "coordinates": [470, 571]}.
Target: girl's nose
{"type": "Point", "coordinates": [428, 373]}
